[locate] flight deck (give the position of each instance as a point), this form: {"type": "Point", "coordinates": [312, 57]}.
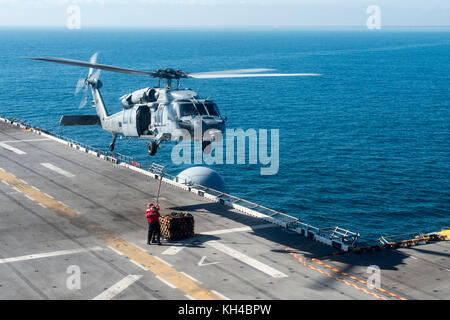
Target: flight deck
{"type": "Point", "coordinates": [72, 226]}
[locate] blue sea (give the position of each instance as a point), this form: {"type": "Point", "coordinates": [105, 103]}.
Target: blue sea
{"type": "Point", "coordinates": [366, 146]}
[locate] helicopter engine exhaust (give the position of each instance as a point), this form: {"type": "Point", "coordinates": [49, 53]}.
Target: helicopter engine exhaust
{"type": "Point", "coordinates": [145, 95]}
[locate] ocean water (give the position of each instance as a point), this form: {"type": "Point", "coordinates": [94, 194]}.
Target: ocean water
{"type": "Point", "coordinates": [366, 146]}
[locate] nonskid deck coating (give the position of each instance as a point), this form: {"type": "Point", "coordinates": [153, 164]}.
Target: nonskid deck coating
{"type": "Point", "coordinates": [96, 204]}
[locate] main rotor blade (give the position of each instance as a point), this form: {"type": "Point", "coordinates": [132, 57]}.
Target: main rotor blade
{"type": "Point", "coordinates": [249, 75]}
{"type": "Point", "coordinates": [93, 65]}
{"type": "Point", "coordinates": [232, 71]}
{"type": "Point", "coordinates": [92, 60]}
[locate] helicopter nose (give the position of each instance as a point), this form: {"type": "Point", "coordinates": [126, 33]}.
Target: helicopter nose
{"type": "Point", "coordinates": [213, 135]}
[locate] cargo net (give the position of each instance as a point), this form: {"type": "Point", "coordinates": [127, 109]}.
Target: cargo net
{"type": "Point", "coordinates": [177, 225]}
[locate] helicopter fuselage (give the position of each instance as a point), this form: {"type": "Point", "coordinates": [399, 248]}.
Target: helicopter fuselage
{"type": "Point", "coordinates": [158, 114]}
{"type": "Point", "coordinates": [163, 114]}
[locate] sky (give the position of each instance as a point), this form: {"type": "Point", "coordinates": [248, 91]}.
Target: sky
{"type": "Point", "coordinates": [220, 13]}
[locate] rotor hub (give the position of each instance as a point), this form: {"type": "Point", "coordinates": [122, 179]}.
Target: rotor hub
{"type": "Point", "coordinates": [169, 73]}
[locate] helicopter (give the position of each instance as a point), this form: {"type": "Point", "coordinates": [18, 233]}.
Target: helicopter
{"type": "Point", "coordinates": [158, 114]}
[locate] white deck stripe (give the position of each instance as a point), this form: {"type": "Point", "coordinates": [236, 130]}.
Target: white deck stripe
{"type": "Point", "coordinates": [30, 198]}
{"type": "Point", "coordinates": [173, 250]}
{"type": "Point", "coordinates": [246, 259]}
{"type": "Point", "coordinates": [241, 229]}
{"type": "Point", "coordinates": [165, 262]}
{"type": "Point", "coordinates": [166, 282]}
{"type": "Point", "coordinates": [118, 287]}
{"type": "Point", "coordinates": [143, 249]}
{"type": "Point", "coordinates": [17, 189]}
{"type": "Point", "coordinates": [8, 147]}
{"type": "Point", "coordinates": [220, 295]}
{"type": "Point", "coordinates": [116, 251]}
{"type": "Point", "coordinates": [139, 265]}
{"type": "Point", "coordinates": [28, 140]}
{"type": "Point", "coordinates": [49, 254]}
{"type": "Point", "coordinates": [189, 297]}
{"type": "Point", "coordinates": [57, 170]}
{"type": "Point", "coordinates": [190, 277]}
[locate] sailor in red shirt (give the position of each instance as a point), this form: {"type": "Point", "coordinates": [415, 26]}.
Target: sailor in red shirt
{"type": "Point", "coordinates": [152, 215]}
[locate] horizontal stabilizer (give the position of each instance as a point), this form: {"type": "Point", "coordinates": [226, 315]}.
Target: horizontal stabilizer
{"type": "Point", "coordinates": [86, 120]}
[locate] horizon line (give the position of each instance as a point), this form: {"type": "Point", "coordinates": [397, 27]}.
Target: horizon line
{"type": "Point", "coordinates": [220, 27]}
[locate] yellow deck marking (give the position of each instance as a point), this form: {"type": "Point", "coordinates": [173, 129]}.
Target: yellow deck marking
{"type": "Point", "coordinates": [355, 278]}
{"type": "Point", "coordinates": [445, 233]}
{"type": "Point", "coordinates": [306, 264]}
{"type": "Point", "coordinates": [171, 275]}
{"type": "Point", "coordinates": [159, 268]}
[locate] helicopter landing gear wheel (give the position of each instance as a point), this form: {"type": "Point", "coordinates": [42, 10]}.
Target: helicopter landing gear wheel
{"type": "Point", "coordinates": [152, 147]}
{"type": "Point", "coordinates": [206, 147]}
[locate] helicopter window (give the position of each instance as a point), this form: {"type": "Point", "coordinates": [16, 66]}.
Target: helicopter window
{"type": "Point", "coordinates": [201, 109]}
{"type": "Point", "coordinates": [188, 109]}
{"type": "Point", "coordinates": [170, 112]}
{"type": "Point", "coordinates": [211, 107]}
{"type": "Point", "coordinates": [158, 115]}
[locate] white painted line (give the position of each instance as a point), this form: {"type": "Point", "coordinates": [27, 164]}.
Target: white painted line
{"type": "Point", "coordinates": [49, 254]}
{"type": "Point", "coordinates": [220, 295]}
{"type": "Point", "coordinates": [137, 246]}
{"type": "Point", "coordinates": [28, 140]}
{"type": "Point", "coordinates": [165, 262]}
{"type": "Point", "coordinates": [42, 205]}
{"type": "Point", "coordinates": [189, 297]}
{"type": "Point", "coordinates": [139, 265]}
{"type": "Point", "coordinates": [166, 282]}
{"type": "Point", "coordinates": [190, 277]}
{"type": "Point", "coordinates": [202, 264]}
{"type": "Point", "coordinates": [5, 182]}
{"type": "Point", "coordinates": [16, 189]}
{"type": "Point", "coordinates": [118, 288]}
{"type": "Point", "coordinates": [49, 196]}
{"type": "Point", "coordinates": [246, 259]}
{"type": "Point", "coordinates": [173, 250]}
{"type": "Point", "coordinates": [8, 147]}
{"type": "Point", "coordinates": [36, 188]}
{"type": "Point", "coordinates": [241, 229]}
{"type": "Point", "coordinates": [57, 170]}
{"type": "Point", "coordinates": [23, 181]}
{"type": "Point", "coordinates": [30, 198]}
{"type": "Point", "coordinates": [116, 251]}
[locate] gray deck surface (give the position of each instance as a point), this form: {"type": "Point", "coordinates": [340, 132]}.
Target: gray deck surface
{"type": "Point", "coordinates": [264, 263]}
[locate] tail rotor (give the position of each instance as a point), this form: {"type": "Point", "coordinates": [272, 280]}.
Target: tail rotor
{"type": "Point", "coordinates": [92, 78]}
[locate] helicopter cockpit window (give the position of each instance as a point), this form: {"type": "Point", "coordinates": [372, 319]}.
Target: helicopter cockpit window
{"type": "Point", "coordinates": [187, 109]}
{"type": "Point", "coordinates": [211, 107]}
{"type": "Point", "coordinates": [170, 113]}
{"type": "Point", "coordinates": [201, 109]}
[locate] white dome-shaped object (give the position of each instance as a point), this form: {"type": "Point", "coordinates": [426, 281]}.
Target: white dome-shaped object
{"type": "Point", "coordinates": [203, 176]}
